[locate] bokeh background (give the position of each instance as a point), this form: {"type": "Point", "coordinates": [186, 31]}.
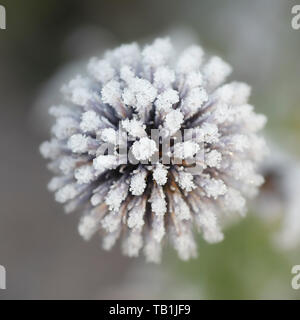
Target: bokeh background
{"type": "Point", "coordinates": [45, 43]}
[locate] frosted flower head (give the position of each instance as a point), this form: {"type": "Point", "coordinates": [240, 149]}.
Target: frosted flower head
{"type": "Point", "coordinates": [152, 194]}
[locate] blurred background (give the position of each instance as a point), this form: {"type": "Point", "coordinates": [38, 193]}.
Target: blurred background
{"type": "Point", "coordinates": [45, 43]}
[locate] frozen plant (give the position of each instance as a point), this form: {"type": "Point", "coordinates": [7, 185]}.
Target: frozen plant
{"type": "Point", "coordinates": [279, 198]}
{"type": "Point", "coordinates": [128, 93]}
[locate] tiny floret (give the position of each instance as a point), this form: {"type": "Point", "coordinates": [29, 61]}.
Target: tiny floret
{"type": "Point", "coordinates": [144, 148]}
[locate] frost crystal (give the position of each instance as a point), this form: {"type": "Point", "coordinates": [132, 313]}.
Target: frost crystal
{"type": "Point", "coordinates": [144, 148]}
{"type": "Point", "coordinates": [138, 196]}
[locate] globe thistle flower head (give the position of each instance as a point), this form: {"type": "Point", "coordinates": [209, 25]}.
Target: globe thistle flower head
{"type": "Point", "coordinates": [152, 143]}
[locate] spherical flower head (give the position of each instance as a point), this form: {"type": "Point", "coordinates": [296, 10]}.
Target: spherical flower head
{"type": "Point", "coordinates": [152, 143]}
